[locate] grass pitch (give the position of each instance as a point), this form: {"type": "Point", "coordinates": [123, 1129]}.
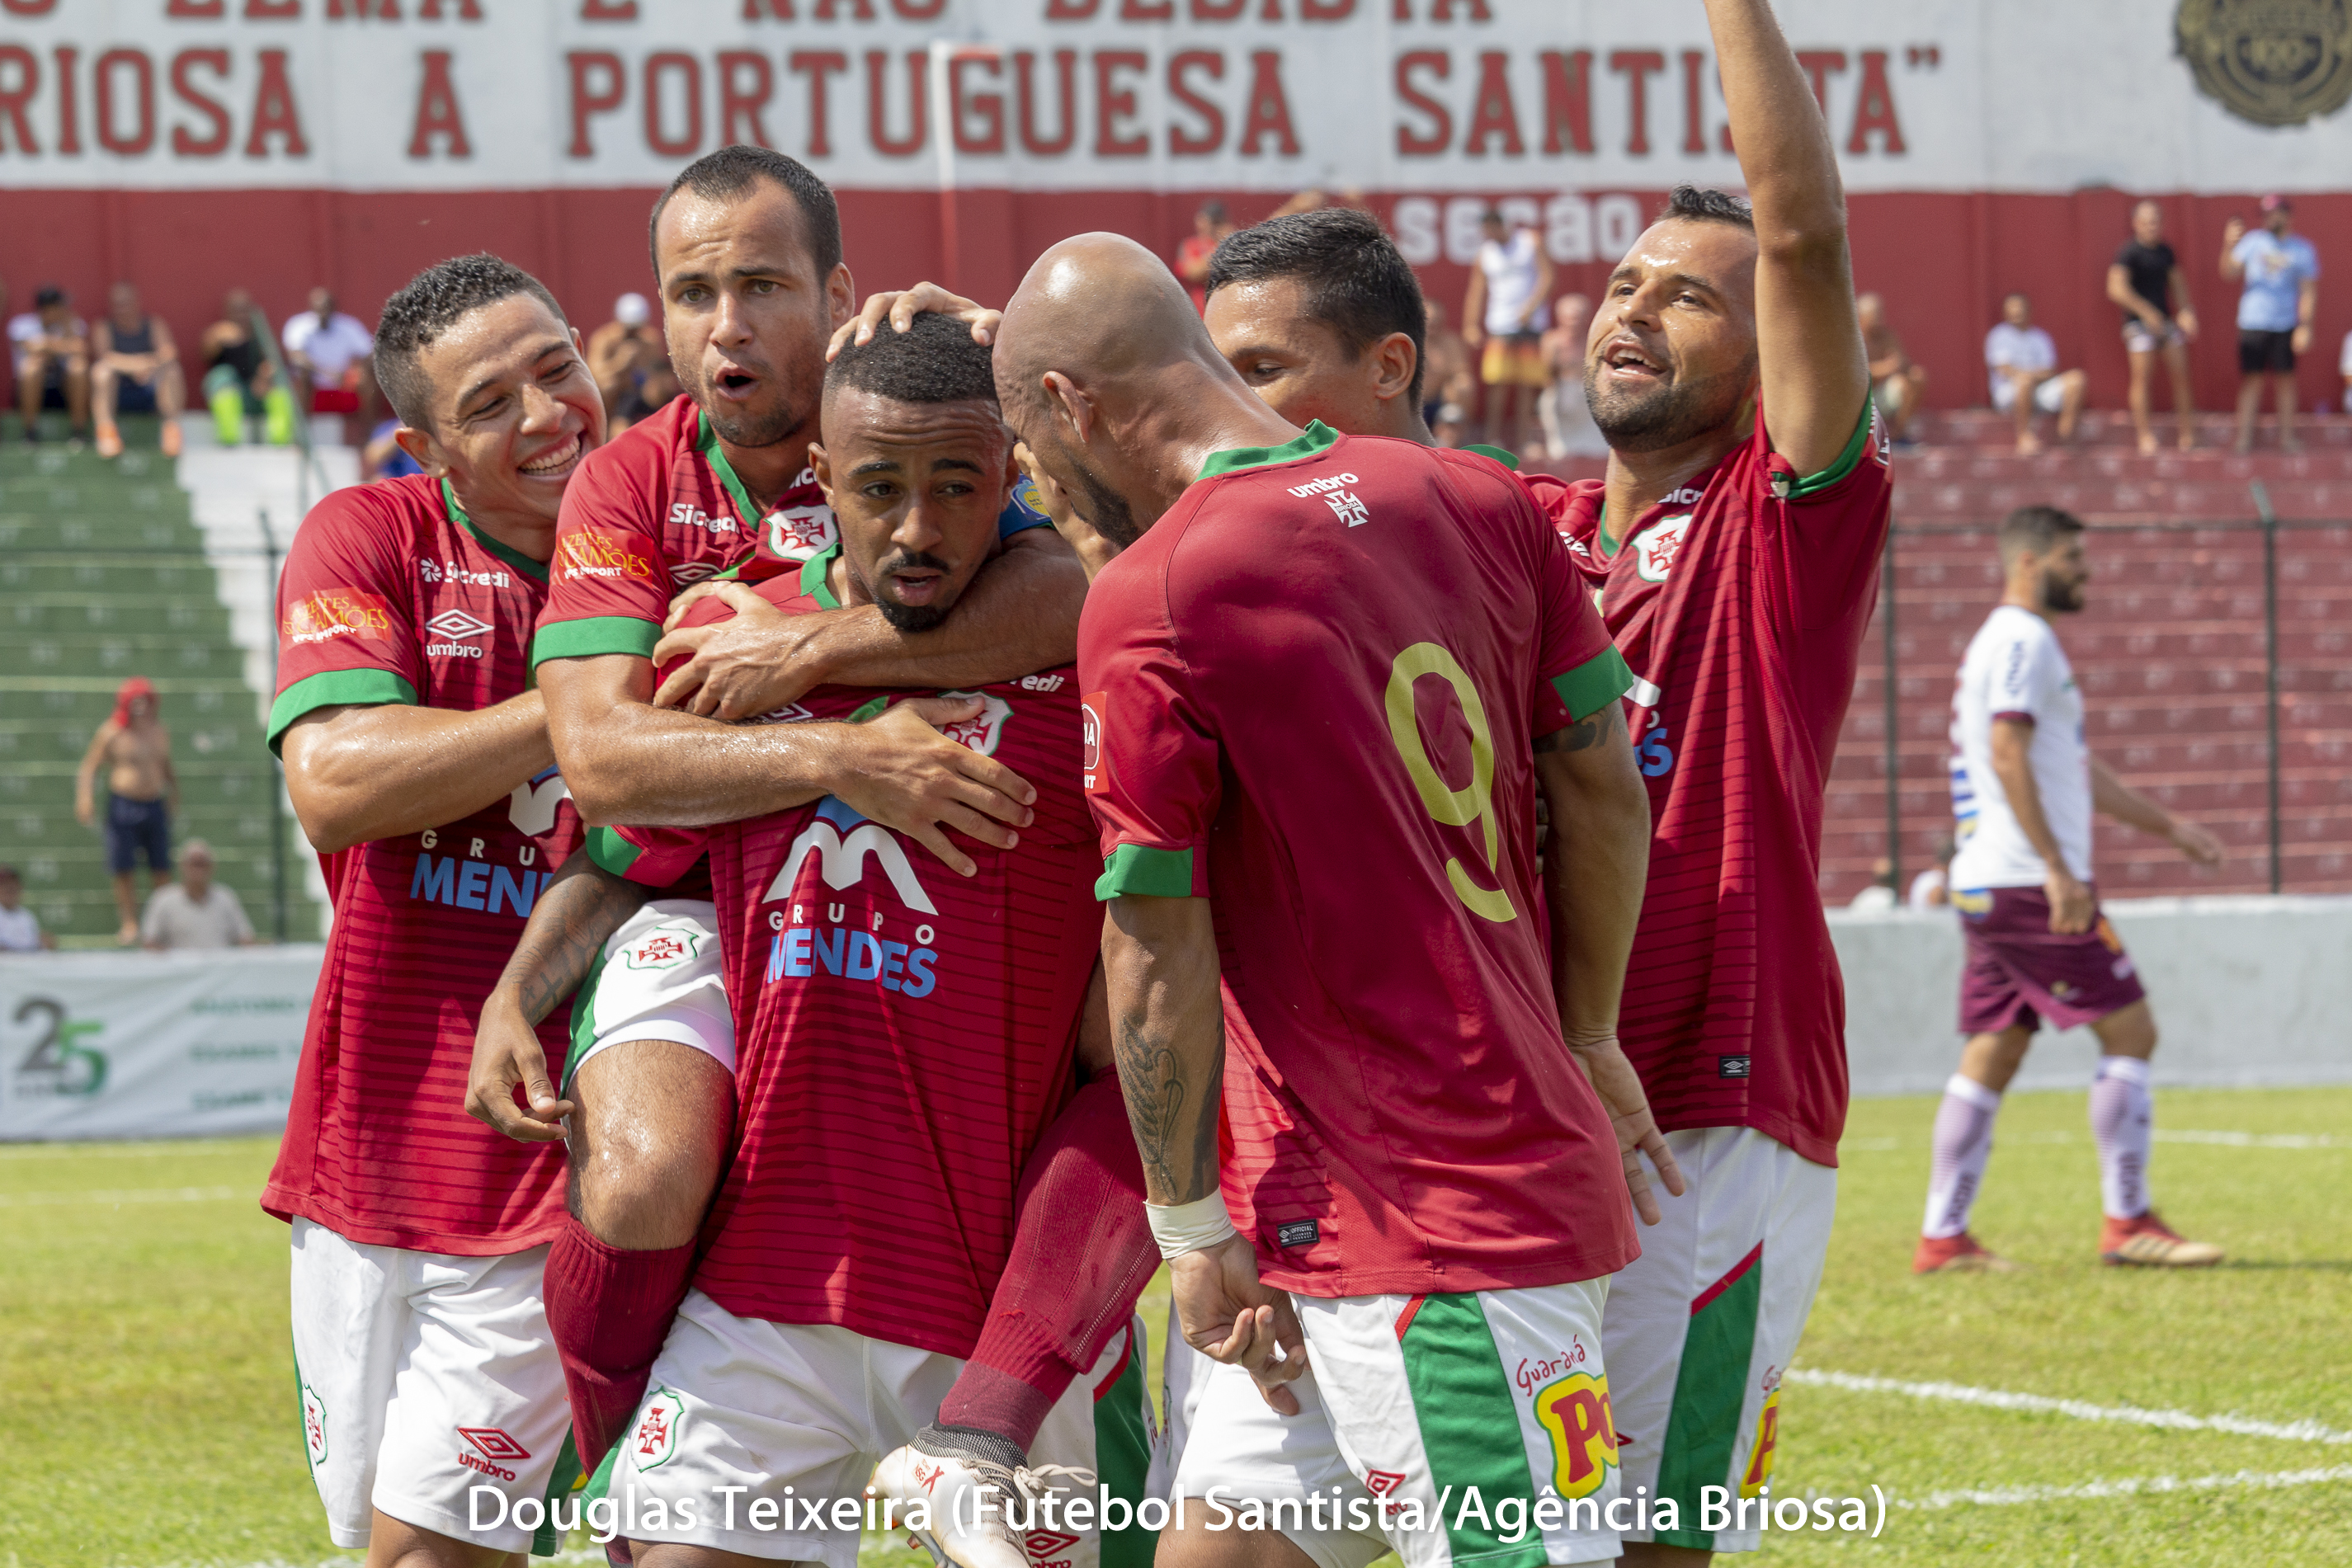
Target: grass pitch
{"type": "Point", "coordinates": [152, 1417]}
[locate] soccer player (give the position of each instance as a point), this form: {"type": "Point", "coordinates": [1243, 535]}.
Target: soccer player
{"type": "Point", "coordinates": [418, 763]}
{"type": "Point", "coordinates": [1326, 675]}
{"type": "Point", "coordinates": [2024, 785]}
{"type": "Point", "coordinates": [906, 1034]}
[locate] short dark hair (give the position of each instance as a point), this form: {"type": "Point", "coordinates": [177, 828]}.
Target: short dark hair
{"type": "Point", "coordinates": [731, 171]}
{"type": "Point", "coordinates": [428, 305]}
{"type": "Point", "coordinates": [1354, 279]}
{"type": "Point", "coordinates": [1702, 205]}
{"type": "Point", "coordinates": [933, 361]}
{"type": "Point", "coordinates": [2033, 530]}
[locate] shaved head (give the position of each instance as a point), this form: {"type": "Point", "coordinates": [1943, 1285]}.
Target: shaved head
{"type": "Point", "coordinates": [1106, 372]}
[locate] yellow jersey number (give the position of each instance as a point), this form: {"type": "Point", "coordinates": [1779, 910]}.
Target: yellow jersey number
{"type": "Point", "coordinates": [1455, 808]}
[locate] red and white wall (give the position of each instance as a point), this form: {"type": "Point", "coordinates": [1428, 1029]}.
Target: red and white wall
{"type": "Point", "coordinates": [191, 145]}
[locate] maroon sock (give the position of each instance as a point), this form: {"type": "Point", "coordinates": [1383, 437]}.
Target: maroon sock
{"type": "Point", "coordinates": [609, 1309]}
{"type": "Point", "coordinates": [1081, 1254]}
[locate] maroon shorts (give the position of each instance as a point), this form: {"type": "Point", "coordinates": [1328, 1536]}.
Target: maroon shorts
{"type": "Point", "coordinates": [2021, 974]}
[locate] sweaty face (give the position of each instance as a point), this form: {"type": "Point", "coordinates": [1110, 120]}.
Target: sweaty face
{"type": "Point", "coordinates": [917, 488]}
{"type": "Point", "coordinates": [1298, 365]}
{"type": "Point", "coordinates": [746, 312]}
{"type": "Point", "coordinates": [514, 408]}
{"type": "Point", "coordinates": [1672, 352]}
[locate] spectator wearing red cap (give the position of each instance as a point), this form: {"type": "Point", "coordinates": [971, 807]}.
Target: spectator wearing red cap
{"type": "Point", "coordinates": [2281, 273]}
{"type": "Point", "coordinates": [142, 793]}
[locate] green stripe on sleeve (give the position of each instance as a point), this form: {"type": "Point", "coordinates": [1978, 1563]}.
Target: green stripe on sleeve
{"type": "Point", "coordinates": [335, 688]}
{"type": "Point", "coordinates": [611, 851]}
{"type": "Point", "coordinates": [1139, 869]}
{"type": "Point", "coordinates": [1594, 684]}
{"type": "Point", "coordinates": [596, 634]}
{"type": "Point", "coordinates": [1469, 1426]}
{"type": "Point", "coordinates": [1812, 483]}
{"type": "Point", "coordinates": [1710, 1389]}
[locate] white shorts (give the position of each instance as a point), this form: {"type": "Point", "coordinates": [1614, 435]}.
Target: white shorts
{"type": "Point", "coordinates": [660, 977]}
{"type": "Point", "coordinates": [795, 1416]}
{"type": "Point", "coordinates": [1701, 1326]}
{"type": "Point", "coordinates": [2049, 395]}
{"type": "Point", "coordinates": [424, 1376]}
{"type": "Point", "coordinates": [1485, 1413]}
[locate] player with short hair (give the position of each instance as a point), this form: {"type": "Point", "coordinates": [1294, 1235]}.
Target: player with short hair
{"type": "Point", "coordinates": [2024, 785]}
{"type": "Point", "coordinates": [906, 1041]}
{"type": "Point", "coordinates": [1423, 1173]}
{"type": "Point", "coordinates": [417, 760]}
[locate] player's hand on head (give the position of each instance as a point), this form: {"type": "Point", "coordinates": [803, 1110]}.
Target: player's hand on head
{"type": "Point", "coordinates": [907, 776]}
{"type": "Point", "coordinates": [507, 1054]}
{"type": "Point", "coordinates": [1228, 1314]}
{"type": "Point", "coordinates": [753, 664]}
{"type": "Point", "coordinates": [900, 307]}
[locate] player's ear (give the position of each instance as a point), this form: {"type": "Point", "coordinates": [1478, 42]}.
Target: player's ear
{"type": "Point", "coordinates": [821, 470]}
{"type": "Point", "coordinates": [1394, 359]}
{"type": "Point", "coordinates": [840, 294]}
{"type": "Point", "coordinates": [1070, 402]}
{"type": "Point", "coordinates": [424, 449]}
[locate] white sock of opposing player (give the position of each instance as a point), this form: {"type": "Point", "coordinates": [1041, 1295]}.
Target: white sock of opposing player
{"type": "Point", "coordinates": [1963, 1145]}
{"type": "Point", "coordinates": [2123, 1119]}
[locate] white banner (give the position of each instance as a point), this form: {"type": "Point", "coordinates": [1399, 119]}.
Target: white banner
{"type": "Point", "coordinates": [152, 1045]}
{"type": "Point", "coordinates": [1378, 94]}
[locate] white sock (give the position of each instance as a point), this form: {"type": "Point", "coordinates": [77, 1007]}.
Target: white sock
{"type": "Point", "coordinates": [1963, 1145]}
{"type": "Point", "coordinates": [2123, 1118]}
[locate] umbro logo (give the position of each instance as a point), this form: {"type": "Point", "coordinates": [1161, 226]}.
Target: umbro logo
{"type": "Point", "coordinates": [493, 1444]}
{"type": "Point", "coordinates": [457, 624]}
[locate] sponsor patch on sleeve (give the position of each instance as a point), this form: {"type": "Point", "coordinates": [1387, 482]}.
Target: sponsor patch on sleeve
{"type": "Point", "coordinates": [328, 614]}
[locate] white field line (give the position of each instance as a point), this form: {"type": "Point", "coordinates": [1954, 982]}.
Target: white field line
{"type": "Point", "coordinates": [2133, 1485]}
{"type": "Point", "coordinates": [2162, 1134]}
{"type": "Point", "coordinates": [129, 1195]}
{"type": "Point", "coordinates": [2305, 1431]}
{"type": "Point", "coordinates": [163, 1149]}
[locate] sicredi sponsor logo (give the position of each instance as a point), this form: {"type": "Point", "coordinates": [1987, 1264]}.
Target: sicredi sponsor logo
{"type": "Point", "coordinates": [450, 571]}
{"type": "Point", "coordinates": [687, 515]}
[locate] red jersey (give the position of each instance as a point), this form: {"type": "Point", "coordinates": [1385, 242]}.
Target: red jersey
{"type": "Point", "coordinates": [1315, 684]}
{"type": "Point", "coordinates": [1740, 601]}
{"type": "Point", "coordinates": [660, 508]}
{"type": "Point", "coordinates": [391, 595]}
{"type": "Point", "coordinates": [904, 1034]}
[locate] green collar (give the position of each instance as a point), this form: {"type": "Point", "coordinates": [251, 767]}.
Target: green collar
{"type": "Point", "coordinates": [507, 553]}
{"type": "Point", "coordinates": [817, 580]}
{"type": "Point", "coordinates": [1509, 460]}
{"type": "Point", "coordinates": [1316, 436]}
{"type": "Point", "coordinates": [706, 441]}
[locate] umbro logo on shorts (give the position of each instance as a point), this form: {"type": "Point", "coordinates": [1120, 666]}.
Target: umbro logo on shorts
{"type": "Point", "coordinates": [493, 1443]}
{"type": "Point", "coordinates": [1731, 1066]}
{"type": "Point", "coordinates": [1383, 1483]}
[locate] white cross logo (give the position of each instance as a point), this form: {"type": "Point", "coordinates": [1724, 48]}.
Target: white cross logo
{"type": "Point", "coordinates": [1348, 508]}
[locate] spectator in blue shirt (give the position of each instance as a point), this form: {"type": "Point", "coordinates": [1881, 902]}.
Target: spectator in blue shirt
{"type": "Point", "coordinates": [2281, 272]}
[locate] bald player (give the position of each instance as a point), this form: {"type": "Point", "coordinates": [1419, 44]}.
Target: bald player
{"type": "Point", "coordinates": [1335, 791]}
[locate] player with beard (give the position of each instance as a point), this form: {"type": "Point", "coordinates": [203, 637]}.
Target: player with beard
{"type": "Point", "coordinates": [418, 762]}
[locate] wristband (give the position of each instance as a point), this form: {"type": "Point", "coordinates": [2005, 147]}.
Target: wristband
{"type": "Point", "coordinates": [1182, 1227]}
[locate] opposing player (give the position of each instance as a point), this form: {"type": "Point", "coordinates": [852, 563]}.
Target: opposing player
{"type": "Point", "coordinates": [2024, 785]}
{"type": "Point", "coordinates": [1359, 852]}
{"type": "Point", "coordinates": [418, 763]}
{"type": "Point", "coordinates": [907, 1035]}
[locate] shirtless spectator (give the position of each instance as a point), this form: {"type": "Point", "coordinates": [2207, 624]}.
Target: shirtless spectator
{"type": "Point", "coordinates": [240, 383]}
{"type": "Point", "coordinates": [328, 352]}
{"type": "Point", "coordinates": [1569, 430]}
{"type": "Point", "coordinates": [142, 793]}
{"type": "Point", "coordinates": [1209, 227]}
{"type": "Point", "coordinates": [1506, 313]}
{"type": "Point", "coordinates": [1445, 379]}
{"type": "Point", "coordinates": [195, 910]}
{"type": "Point", "coordinates": [135, 368]}
{"type": "Point", "coordinates": [2145, 279]}
{"type": "Point", "coordinates": [2023, 363]}
{"type": "Point", "coordinates": [51, 348]}
{"type": "Point", "coordinates": [631, 364]}
{"type": "Point", "coordinates": [1898, 383]}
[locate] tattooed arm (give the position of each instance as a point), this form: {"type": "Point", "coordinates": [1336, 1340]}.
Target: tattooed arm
{"type": "Point", "coordinates": [1596, 860]}
{"type": "Point", "coordinates": [575, 914]}
{"type": "Point", "coordinates": [1159, 967]}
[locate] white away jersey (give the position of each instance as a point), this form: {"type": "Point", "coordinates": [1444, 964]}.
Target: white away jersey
{"type": "Point", "coordinates": [2015, 669]}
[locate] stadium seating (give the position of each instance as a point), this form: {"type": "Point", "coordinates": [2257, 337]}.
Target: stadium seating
{"type": "Point", "coordinates": [104, 575]}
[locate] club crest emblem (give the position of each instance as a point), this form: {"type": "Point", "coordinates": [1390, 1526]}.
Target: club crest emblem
{"type": "Point", "coordinates": [1659, 546]}
{"type": "Point", "coordinates": [2273, 62]}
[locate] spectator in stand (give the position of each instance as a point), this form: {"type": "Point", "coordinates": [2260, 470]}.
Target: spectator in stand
{"type": "Point", "coordinates": [1209, 227]}
{"type": "Point", "coordinates": [1567, 416]}
{"type": "Point", "coordinates": [1931, 889]}
{"type": "Point", "coordinates": [1506, 310]}
{"type": "Point", "coordinates": [2025, 374]}
{"type": "Point", "coordinates": [142, 795]}
{"type": "Point", "coordinates": [51, 348]}
{"type": "Point", "coordinates": [1445, 376]}
{"type": "Point", "coordinates": [20, 928]}
{"type": "Point", "coordinates": [1898, 383]}
{"type": "Point", "coordinates": [630, 362]}
{"type": "Point", "coordinates": [240, 383]}
{"type": "Point", "coordinates": [2281, 272]}
{"type": "Point", "coordinates": [2343, 370]}
{"type": "Point", "coordinates": [2145, 280]}
{"type": "Point", "coordinates": [1880, 894]}
{"type": "Point", "coordinates": [135, 368]}
{"type": "Point", "coordinates": [328, 351]}
{"type": "Point", "coordinates": [195, 910]}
